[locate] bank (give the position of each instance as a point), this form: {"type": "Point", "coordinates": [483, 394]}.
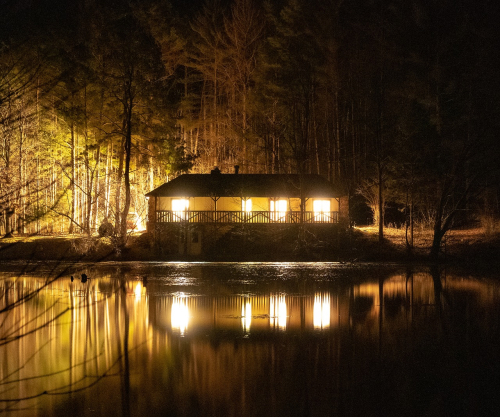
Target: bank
{"type": "Point", "coordinates": [472, 248]}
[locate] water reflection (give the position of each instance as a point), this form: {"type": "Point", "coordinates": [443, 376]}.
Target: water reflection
{"type": "Point", "coordinates": [246, 315]}
{"type": "Point", "coordinates": [321, 312]}
{"type": "Point", "coordinates": [259, 341]}
{"type": "Point", "coordinates": [180, 314]}
{"type": "Point", "coordinates": [277, 311]}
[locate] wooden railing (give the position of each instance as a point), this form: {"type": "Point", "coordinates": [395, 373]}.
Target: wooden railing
{"type": "Point", "coordinates": [168, 216]}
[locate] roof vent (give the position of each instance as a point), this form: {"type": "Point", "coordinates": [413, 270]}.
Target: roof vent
{"type": "Point", "coordinates": [236, 169]}
{"type": "Point", "coordinates": [215, 171]}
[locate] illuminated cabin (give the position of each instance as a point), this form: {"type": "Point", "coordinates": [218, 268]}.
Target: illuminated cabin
{"type": "Point", "coordinates": [249, 199]}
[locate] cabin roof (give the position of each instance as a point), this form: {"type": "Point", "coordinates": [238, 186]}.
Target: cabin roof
{"type": "Point", "coordinates": [247, 185]}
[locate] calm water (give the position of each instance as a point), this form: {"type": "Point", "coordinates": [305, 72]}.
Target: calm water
{"type": "Point", "coordinates": [247, 340]}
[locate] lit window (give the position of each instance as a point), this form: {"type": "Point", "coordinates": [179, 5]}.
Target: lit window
{"type": "Point", "coordinates": [179, 208]}
{"type": "Point", "coordinates": [246, 205]}
{"type": "Point", "coordinates": [278, 209]}
{"type": "Point", "coordinates": [321, 210]}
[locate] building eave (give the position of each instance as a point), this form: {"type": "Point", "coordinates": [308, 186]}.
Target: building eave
{"type": "Point", "coordinates": [247, 185]}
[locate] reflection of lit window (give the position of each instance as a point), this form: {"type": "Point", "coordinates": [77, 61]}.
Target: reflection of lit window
{"type": "Point", "coordinates": [180, 314]}
{"type": "Point", "coordinates": [278, 209]}
{"type": "Point", "coordinates": [179, 208]}
{"type": "Point", "coordinates": [246, 205]}
{"type": "Point", "coordinates": [321, 311]}
{"type": "Point", "coordinates": [138, 292]}
{"type": "Point", "coordinates": [321, 210]}
{"type": "Point", "coordinates": [246, 315]}
{"type": "Point", "coordinates": [277, 311]}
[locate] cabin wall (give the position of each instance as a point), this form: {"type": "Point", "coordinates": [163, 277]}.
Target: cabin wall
{"type": "Point", "coordinates": [229, 204]}
{"type": "Point", "coordinates": [234, 203]}
{"type": "Point", "coordinates": [201, 203]}
{"type": "Point", "coordinates": [164, 203]}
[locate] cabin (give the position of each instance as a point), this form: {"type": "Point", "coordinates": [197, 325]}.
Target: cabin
{"type": "Point", "coordinates": [191, 205]}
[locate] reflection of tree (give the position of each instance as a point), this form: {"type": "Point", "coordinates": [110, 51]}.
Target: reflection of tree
{"type": "Point", "coordinates": [39, 317]}
{"type": "Point", "coordinates": [438, 286]}
{"type": "Point", "coordinates": [122, 354]}
{"type": "Point", "coordinates": [124, 359]}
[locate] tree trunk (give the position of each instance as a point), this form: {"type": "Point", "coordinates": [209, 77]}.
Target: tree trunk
{"type": "Point", "coordinates": [72, 184]}
{"type": "Point", "coordinates": [380, 204]}
{"type": "Point", "coordinates": [128, 151]}
{"type": "Point", "coordinates": [107, 179]}
{"type": "Point", "coordinates": [96, 190]}
{"type": "Point", "coordinates": [119, 176]}
{"type": "Point", "coordinates": [436, 243]}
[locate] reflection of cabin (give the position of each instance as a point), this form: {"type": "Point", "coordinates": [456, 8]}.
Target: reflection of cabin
{"type": "Point", "coordinates": [249, 199]}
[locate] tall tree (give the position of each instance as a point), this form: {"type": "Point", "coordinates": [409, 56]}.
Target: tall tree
{"type": "Point", "coordinates": [289, 80]}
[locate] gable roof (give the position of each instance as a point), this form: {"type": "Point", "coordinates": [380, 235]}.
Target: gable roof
{"type": "Point", "coordinates": [247, 185]}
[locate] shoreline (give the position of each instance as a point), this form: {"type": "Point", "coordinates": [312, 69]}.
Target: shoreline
{"type": "Point", "coordinates": [474, 251]}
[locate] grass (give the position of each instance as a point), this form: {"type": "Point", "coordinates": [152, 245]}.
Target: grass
{"type": "Point", "coordinates": [470, 246]}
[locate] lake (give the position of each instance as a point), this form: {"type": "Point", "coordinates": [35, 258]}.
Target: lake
{"type": "Point", "coordinates": [247, 339]}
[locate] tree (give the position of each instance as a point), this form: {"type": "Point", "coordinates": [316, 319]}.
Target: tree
{"type": "Point", "coordinates": [130, 69]}
{"type": "Point", "coordinates": [288, 80]}
{"type": "Point", "coordinates": [242, 39]}
{"type": "Point", "coordinates": [445, 123]}
{"type": "Point", "coordinates": [20, 84]}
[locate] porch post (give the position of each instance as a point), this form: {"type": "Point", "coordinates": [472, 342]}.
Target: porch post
{"type": "Point", "coordinates": [215, 198]}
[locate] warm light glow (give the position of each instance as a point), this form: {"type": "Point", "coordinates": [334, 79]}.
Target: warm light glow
{"type": "Point", "coordinates": [246, 205]}
{"type": "Point", "coordinates": [277, 311]}
{"type": "Point", "coordinates": [135, 222]}
{"type": "Point", "coordinates": [278, 209]}
{"type": "Point", "coordinates": [246, 315]}
{"type": "Point", "coordinates": [321, 210]}
{"type": "Point", "coordinates": [140, 224]}
{"type": "Point", "coordinates": [179, 208]}
{"type": "Point", "coordinates": [138, 292]}
{"type": "Point", "coordinates": [180, 314]}
{"type": "Point", "coordinates": [321, 311]}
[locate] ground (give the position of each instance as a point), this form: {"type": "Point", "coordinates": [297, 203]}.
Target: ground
{"type": "Point", "coordinates": [472, 247]}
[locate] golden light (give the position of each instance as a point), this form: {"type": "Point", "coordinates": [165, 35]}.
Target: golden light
{"type": "Point", "coordinates": [246, 315]}
{"type": "Point", "coordinates": [278, 209]}
{"type": "Point", "coordinates": [246, 205]}
{"type": "Point", "coordinates": [321, 311]}
{"type": "Point", "coordinates": [140, 224]}
{"type": "Point", "coordinates": [138, 291]}
{"type": "Point", "coordinates": [179, 208]}
{"type": "Point", "coordinates": [321, 209]}
{"type": "Point", "coordinates": [180, 314]}
{"type": "Point", "coordinates": [277, 311]}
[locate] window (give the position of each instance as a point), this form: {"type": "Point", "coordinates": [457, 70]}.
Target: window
{"type": "Point", "coordinates": [278, 210]}
{"type": "Point", "coordinates": [179, 209]}
{"type": "Point", "coordinates": [321, 209]}
{"type": "Point", "coordinates": [246, 205]}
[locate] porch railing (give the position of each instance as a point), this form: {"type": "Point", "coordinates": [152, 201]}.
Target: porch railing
{"type": "Point", "coordinates": [168, 216]}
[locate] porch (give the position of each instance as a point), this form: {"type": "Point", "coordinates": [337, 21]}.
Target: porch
{"type": "Point", "coordinates": [206, 216]}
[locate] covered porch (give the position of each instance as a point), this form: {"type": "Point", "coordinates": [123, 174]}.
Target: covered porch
{"type": "Point", "coordinates": [211, 216]}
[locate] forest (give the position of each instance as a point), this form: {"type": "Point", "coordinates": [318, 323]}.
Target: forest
{"type": "Point", "coordinates": [101, 102]}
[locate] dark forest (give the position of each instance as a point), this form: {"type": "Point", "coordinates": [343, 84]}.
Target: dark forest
{"type": "Point", "coordinates": [395, 101]}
